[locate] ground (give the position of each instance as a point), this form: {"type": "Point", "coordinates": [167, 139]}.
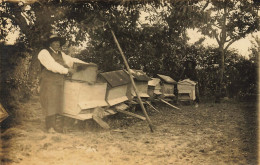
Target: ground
{"type": "Point", "coordinates": [211, 134]}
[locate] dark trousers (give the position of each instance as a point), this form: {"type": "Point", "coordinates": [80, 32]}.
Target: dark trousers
{"type": "Point", "coordinates": [50, 121]}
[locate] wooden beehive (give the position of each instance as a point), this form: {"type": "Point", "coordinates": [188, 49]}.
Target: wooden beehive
{"type": "Point", "coordinates": [186, 90]}
{"type": "Point", "coordinates": [167, 85]}
{"type": "Point", "coordinates": [154, 87]}
{"type": "Point", "coordinates": [85, 72]}
{"type": "Point", "coordinates": [117, 86]}
{"type": "Point", "coordinates": [141, 82]}
{"type": "Point", "coordinates": [81, 98]}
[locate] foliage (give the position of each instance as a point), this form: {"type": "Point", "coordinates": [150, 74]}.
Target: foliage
{"type": "Point", "coordinates": [255, 49]}
{"type": "Point", "coordinates": [228, 21]}
{"type": "Point", "coordinates": [239, 80]}
{"type": "Point", "coordinates": [14, 86]}
{"type": "Point", "coordinates": [243, 80]}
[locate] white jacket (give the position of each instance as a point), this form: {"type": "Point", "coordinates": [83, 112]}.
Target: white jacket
{"type": "Point", "coordinates": [49, 63]}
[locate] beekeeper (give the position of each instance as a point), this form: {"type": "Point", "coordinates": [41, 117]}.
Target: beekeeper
{"type": "Point", "coordinates": [55, 66]}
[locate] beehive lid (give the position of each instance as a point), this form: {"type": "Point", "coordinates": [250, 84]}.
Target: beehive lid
{"type": "Point", "coordinates": [187, 81]}
{"type": "Point", "coordinates": [166, 79]}
{"type": "Point", "coordinates": [154, 82]}
{"type": "Point", "coordinates": [140, 75]}
{"type": "Point", "coordinates": [83, 66]}
{"type": "Point", "coordinates": [116, 78]}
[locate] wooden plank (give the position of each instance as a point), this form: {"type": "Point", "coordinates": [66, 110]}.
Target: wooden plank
{"type": "Point", "coordinates": [100, 121]}
{"type": "Point", "coordinates": [152, 106]}
{"type": "Point", "coordinates": [118, 130]}
{"type": "Point", "coordinates": [110, 111]}
{"type": "Point", "coordinates": [169, 104]}
{"type": "Point", "coordinates": [132, 80]}
{"type": "Point", "coordinates": [121, 106]}
{"type": "Point", "coordinates": [131, 114]}
{"type": "Point", "coordinates": [79, 116]}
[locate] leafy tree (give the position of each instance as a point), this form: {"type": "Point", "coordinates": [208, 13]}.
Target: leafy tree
{"type": "Point", "coordinates": [228, 21]}
{"type": "Point", "coordinates": [240, 80]}
{"type": "Point", "coordinates": [34, 21]}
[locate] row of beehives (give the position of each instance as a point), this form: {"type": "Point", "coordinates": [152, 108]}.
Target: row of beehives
{"type": "Point", "coordinates": [113, 91]}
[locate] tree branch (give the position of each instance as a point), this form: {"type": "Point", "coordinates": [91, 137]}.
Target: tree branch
{"type": "Point", "coordinates": [218, 40]}
{"type": "Point", "coordinates": [2, 14]}
{"type": "Point", "coordinates": [205, 6]}
{"type": "Point", "coordinates": [20, 21]}
{"type": "Point", "coordinates": [230, 43]}
{"type": "Point", "coordinates": [216, 26]}
{"type": "Point", "coordinates": [228, 40]}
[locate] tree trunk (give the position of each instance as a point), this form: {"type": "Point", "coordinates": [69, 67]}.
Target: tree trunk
{"type": "Point", "coordinates": [34, 72]}
{"type": "Point", "coordinates": [219, 84]}
{"type": "Point", "coordinates": [222, 40]}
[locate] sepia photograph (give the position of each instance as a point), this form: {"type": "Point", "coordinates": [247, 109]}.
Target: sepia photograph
{"type": "Point", "coordinates": [136, 82]}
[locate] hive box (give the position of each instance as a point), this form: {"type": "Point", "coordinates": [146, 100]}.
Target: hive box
{"type": "Point", "coordinates": [154, 88]}
{"type": "Point", "coordinates": [117, 86]}
{"type": "Point", "coordinates": [81, 98]}
{"type": "Point", "coordinates": [167, 85]}
{"type": "Point", "coordinates": [141, 82]}
{"type": "Point", "coordinates": [186, 90]}
{"type": "Point", "coordinates": [85, 72]}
